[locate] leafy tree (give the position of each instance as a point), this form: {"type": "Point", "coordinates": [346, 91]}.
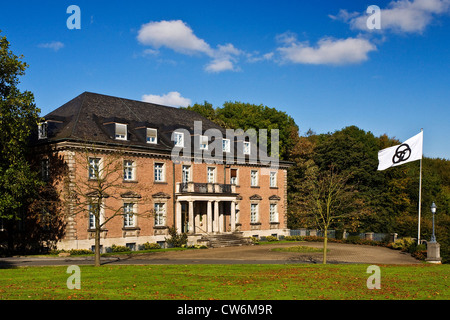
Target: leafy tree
{"type": "Point", "coordinates": [238, 115]}
{"type": "Point", "coordinates": [18, 118]}
{"type": "Point", "coordinates": [102, 196]}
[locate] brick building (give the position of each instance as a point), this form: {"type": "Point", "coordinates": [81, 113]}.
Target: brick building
{"type": "Point", "coordinates": [185, 189]}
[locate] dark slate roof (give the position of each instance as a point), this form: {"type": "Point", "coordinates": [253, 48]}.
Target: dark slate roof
{"type": "Point", "coordinates": [86, 118]}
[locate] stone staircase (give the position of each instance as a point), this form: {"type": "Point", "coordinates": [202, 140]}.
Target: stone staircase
{"type": "Point", "coordinates": [224, 240]}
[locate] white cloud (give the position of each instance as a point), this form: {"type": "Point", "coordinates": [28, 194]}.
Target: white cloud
{"type": "Point", "coordinates": [328, 51]}
{"type": "Point", "coordinates": [172, 98]}
{"type": "Point", "coordinates": [175, 35]}
{"type": "Point", "coordinates": [408, 16]}
{"type": "Point", "coordinates": [54, 45]}
{"type": "Point", "coordinates": [178, 36]}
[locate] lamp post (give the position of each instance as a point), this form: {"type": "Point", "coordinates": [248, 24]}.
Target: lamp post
{"type": "Point", "coordinates": [433, 210]}
{"type": "Point", "coordinates": [433, 248]}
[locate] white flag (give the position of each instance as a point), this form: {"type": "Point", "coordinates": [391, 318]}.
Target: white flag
{"type": "Point", "coordinates": [410, 150]}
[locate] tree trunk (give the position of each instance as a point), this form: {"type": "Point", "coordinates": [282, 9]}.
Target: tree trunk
{"type": "Point", "coordinates": [97, 241]}
{"type": "Point", "coordinates": [325, 240]}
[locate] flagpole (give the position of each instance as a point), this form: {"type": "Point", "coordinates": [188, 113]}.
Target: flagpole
{"type": "Point", "coordinates": [420, 196]}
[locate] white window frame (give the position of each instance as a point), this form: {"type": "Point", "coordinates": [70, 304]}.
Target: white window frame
{"type": "Point", "coordinates": [273, 179]}
{"type": "Point", "coordinates": [91, 217]}
{"type": "Point", "coordinates": [273, 212]}
{"type": "Point", "coordinates": [254, 179]}
{"type": "Point", "coordinates": [129, 212]}
{"type": "Point", "coordinates": [152, 136]}
{"type": "Point", "coordinates": [45, 169]}
{"type": "Point", "coordinates": [254, 212]}
{"type": "Point", "coordinates": [246, 147]}
{"type": "Point", "coordinates": [94, 165]}
{"type": "Point", "coordinates": [121, 127]}
{"type": "Point", "coordinates": [179, 139]}
{"type": "Point", "coordinates": [186, 173]}
{"type": "Point", "coordinates": [160, 214]}
{"type": "Point", "coordinates": [129, 170]}
{"type": "Point", "coordinates": [203, 142]}
{"type": "Point", "coordinates": [211, 174]}
{"type": "Point", "coordinates": [236, 179]}
{"type": "Point", "coordinates": [42, 130]}
{"type": "Point", "coordinates": [159, 172]}
{"type": "Point", "coordinates": [226, 145]}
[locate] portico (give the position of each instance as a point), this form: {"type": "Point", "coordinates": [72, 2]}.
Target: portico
{"type": "Point", "coordinates": [205, 213]}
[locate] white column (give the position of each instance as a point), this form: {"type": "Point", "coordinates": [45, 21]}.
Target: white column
{"type": "Point", "coordinates": [221, 224]}
{"type": "Point", "coordinates": [216, 216]}
{"type": "Point", "coordinates": [191, 217]}
{"type": "Point", "coordinates": [233, 216]}
{"type": "Point", "coordinates": [209, 216]}
{"type": "Point", "coordinates": [178, 217]}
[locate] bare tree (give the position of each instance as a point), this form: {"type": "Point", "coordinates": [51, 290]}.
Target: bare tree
{"type": "Point", "coordinates": [96, 190]}
{"type": "Point", "coordinates": [329, 199]}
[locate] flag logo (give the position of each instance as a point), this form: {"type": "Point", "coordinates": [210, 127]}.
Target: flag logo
{"type": "Point", "coordinates": [402, 153]}
{"type": "Point", "coordinates": [410, 150]}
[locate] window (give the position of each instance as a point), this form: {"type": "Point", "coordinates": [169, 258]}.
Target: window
{"type": "Point", "coordinates": [128, 215]}
{"type": "Point", "coordinates": [128, 171]}
{"type": "Point", "coordinates": [94, 168]}
{"type": "Point", "coordinates": [246, 147]}
{"type": "Point", "coordinates": [273, 213]}
{"type": "Point", "coordinates": [42, 130]}
{"type": "Point", "coordinates": [160, 214]}
{"type": "Point", "coordinates": [159, 172]}
{"type": "Point", "coordinates": [152, 136]}
{"type": "Point", "coordinates": [186, 174]}
{"type": "Point", "coordinates": [273, 179]}
{"type": "Point", "coordinates": [233, 176]}
{"type": "Point", "coordinates": [121, 131]}
{"type": "Point", "coordinates": [203, 143]}
{"type": "Point", "coordinates": [93, 211]}
{"type": "Point", "coordinates": [254, 178]}
{"type": "Point", "coordinates": [179, 139]}
{"type": "Point", "coordinates": [211, 175]}
{"type": "Point", "coordinates": [253, 213]}
{"type": "Point", "coordinates": [226, 145]}
{"type": "Point", "coordinates": [45, 169]}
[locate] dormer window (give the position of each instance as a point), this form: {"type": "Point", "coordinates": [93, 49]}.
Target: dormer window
{"type": "Point", "coordinates": [226, 145]}
{"type": "Point", "coordinates": [42, 130]}
{"type": "Point", "coordinates": [121, 131]}
{"type": "Point", "coordinates": [179, 139]}
{"type": "Point", "coordinates": [152, 136]}
{"type": "Point", "coordinates": [246, 147]}
{"type": "Point", "coordinates": [203, 143]}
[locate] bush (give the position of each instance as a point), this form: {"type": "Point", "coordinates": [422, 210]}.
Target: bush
{"type": "Point", "coordinates": [75, 252]}
{"type": "Point", "coordinates": [115, 248]}
{"type": "Point", "coordinates": [254, 240]}
{"type": "Point", "coordinates": [176, 240]}
{"type": "Point", "coordinates": [149, 246]}
{"type": "Point", "coordinates": [271, 238]}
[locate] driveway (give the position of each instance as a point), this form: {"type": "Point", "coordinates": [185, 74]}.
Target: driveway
{"type": "Point", "coordinates": [255, 254]}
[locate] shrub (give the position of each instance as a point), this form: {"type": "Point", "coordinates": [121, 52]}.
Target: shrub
{"type": "Point", "coordinates": [149, 246]}
{"type": "Point", "coordinates": [75, 252]}
{"type": "Point", "coordinates": [271, 238]}
{"type": "Point", "coordinates": [254, 240]}
{"type": "Point", "coordinates": [115, 248]}
{"type": "Point", "coordinates": [176, 240]}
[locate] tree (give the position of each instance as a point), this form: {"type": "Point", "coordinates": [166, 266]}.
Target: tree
{"type": "Point", "coordinates": [330, 200]}
{"type": "Point", "coordinates": [19, 116]}
{"type": "Point", "coordinates": [103, 196]}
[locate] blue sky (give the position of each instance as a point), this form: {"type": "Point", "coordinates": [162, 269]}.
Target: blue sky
{"type": "Point", "coordinates": [316, 60]}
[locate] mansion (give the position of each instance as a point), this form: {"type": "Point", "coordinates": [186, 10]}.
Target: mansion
{"type": "Point", "coordinates": [145, 189]}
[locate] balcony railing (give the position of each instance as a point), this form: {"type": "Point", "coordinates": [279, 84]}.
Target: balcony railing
{"type": "Point", "coordinates": [195, 187]}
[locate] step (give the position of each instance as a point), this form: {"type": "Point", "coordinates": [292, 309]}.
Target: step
{"type": "Point", "coordinates": [225, 240]}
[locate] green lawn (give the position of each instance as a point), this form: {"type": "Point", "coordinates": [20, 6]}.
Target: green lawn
{"type": "Point", "coordinates": [256, 282]}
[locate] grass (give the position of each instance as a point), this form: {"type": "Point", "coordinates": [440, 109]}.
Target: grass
{"type": "Point", "coordinates": [225, 282]}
